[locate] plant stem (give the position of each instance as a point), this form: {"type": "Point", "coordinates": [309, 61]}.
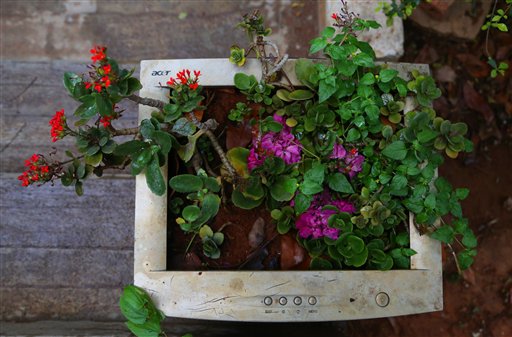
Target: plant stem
{"type": "Point", "coordinates": [155, 103]}
{"type": "Point", "coordinates": [207, 127]}
{"type": "Point", "coordinates": [190, 242]}
{"type": "Point", "coordinates": [124, 132]}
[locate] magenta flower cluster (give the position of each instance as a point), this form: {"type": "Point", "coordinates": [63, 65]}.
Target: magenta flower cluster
{"type": "Point", "coordinates": [350, 162]}
{"type": "Point", "coordinates": [313, 223]}
{"type": "Point", "coordinates": [281, 144]}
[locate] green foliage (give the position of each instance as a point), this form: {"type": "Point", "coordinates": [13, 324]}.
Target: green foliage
{"type": "Point", "coordinates": [237, 56]}
{"type": "Point", "coordinates": [240, 112]}
{"type": "Point", "coordinates": [143, 317]}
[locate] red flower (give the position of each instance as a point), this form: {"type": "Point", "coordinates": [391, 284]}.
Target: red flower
{"type": "Point", "coordinates": [193, 86]}
{"type": "Point", "coordinates": [97, 87]}
{"type": "Point", "coordinates": [197, 73]}
{"type": "Point", "coordinates": [35, 157]}
{"type": "Point", "coordinates": [171, 81]}
{"type": "Point", "coordinates": [107, 69]}
{"type": "Point", "coordinates": [88, 85]}
{"type": "Point", "coordinates": [58, 124]}
{"type": "Point", "coordinates": [106, 81]}
{"type": "Point", "coordinates": [334, 16]}
{"type": "Point", "coordinates": [106, 121]}
{"type": "Point", "coordinates": [38, 171]}
{"type": "Point", "coordinates": [98, 54]}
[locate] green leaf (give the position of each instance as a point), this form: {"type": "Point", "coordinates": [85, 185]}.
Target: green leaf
{"type": "Point", "coordinates": [396, 150]}
{"type": "Point", "coordinates": [309, 187]}
{"type": "Point", "coordinates": [205, 231]}
{"type": "Point", "coordinates": [461, 193]}
{"type": "Point", "coordinates": [133, 304]}
{"type": "Point", "coordinates": [209, 208]}
{"type": "Point", "coordinates": [402, 239]}
{"type": "Point", "coordinates": [501, 26]}
{"type": "Point", "coordinates": [94, 160]}
{"type": "Point", "coordinates": [304, 69]}
{"type": "Point", "coordinates": [469, 239]}
{"type": "Point", "coordinates": [318, 263]}
{"type": "Point", "coordinates": [315, 173]}
{"type": "Point", "coordinates": [186, 183]}
{"type": "Point", "coordinates": [129, 148]}
{"type": "Point", "coordinates": [386, 75]}
{"type": "Point", "coordinates": [283, 189]}
{"type": "Point", "coordinates": [353, 135]}
{"type": "Point", "coordinates": [367, 79]}
{"type": "Point", "coordinates": [149, 329]}
{"type": "Point", "coordinates": [328, 32]}
{"type": "Point", "coordinates": [240, 201]}
{"type": "Point", "coordinates": [465, 258]}
{"type": "Point", "coordinates": [398, 183]}
{"type": "Point", "coordinates": [325, 90]}
{"type": "Point", "coordinates": [133, 86]}
{"type": "Point", "coordinates": [444, 234]}
{"type": "Point", "coordinates": [79, 188]}
{"type": "Point", "coordinates": [163, 139]}
{"type": "Point", "coordinates": [184, 127]}
{"type": "Point", "coordinates": [339, 183]}
{"type": "Point", "coordinates": [154, 177]}
{"type": "Point", "coordinates": [300, 95]}
{"type": "Point", "coordinates": [103, 105]}
{"type": "Point", "coordinates": [141, 161]}
{"type": "Point", "coordinates": [364, 60]}
{"type": "Point", "coordinates": [191, 213]}
{"type": "Point", "coordinates": [242, 81]}
{"type": "Point", "coordinates": [237, 156]}
{"type": "Point", "coordinates": [317, 44]}
{"type": "Point", "coordinates": [302, 203]}
{"type": "Point", "coordinates": [426, 136]}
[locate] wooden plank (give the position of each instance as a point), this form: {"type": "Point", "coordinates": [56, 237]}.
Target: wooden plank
{"type": "Point", "coordinates": [28, 304]}
{"type": "Point", "coordinates": [103, 228]}
{"type": "Point", "coordinates": [73, 268]}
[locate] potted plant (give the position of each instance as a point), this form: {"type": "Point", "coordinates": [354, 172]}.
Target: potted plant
{"type": "Point", "coordinates": [332, 162]}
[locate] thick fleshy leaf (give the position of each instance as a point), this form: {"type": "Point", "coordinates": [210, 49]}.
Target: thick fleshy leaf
{"type": "Point", "coordinates": [186, 183]}
{"type": "Point", "coordinates": [283, 188]}
{"type": "Point", "coordinates": [237, 156]}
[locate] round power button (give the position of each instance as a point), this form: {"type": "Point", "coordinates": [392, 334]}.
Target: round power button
{"type": "Point", "coordinates": [297, 300]}
{"type": "Point", "coordinates": [267, 300]}
{"type": "Point", "coordinates": [312, 300]}
{"type": "Point", "coordinates": [283, 301]}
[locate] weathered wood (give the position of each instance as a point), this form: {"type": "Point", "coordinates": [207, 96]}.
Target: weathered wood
{"type": "Point", "coordinates": [103, 228]}
{"type": "Point", "coordinates": [172, 328]}
{"type": "Point", "coordinates": [59, 267]}
{"type": "Point", "coordinates": [28, 304]}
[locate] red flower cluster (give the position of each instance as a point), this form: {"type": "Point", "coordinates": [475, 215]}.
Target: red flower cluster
{"type": "Point", "coordinates": [104, 81]}
{"type": "Point", "coordinates": [106, 121]}
{"type": "Point", "coordinates": [38, 171]}
{"type": "Point", "coordinates": [98, 54]}
{"type": "Point", "coordinates": [58, 123]}
{"type": "Point", "coordinates": [185, 79]}
{"type": "Point", "coordinates": [335, 16]}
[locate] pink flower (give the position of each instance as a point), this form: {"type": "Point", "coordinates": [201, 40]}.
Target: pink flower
{"type": "Point", "coordinates": [281, 144]}
{"type": "Point", "coordinates": [350, 162]}
{"type": "Point", "coordinates": [313, 223]}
